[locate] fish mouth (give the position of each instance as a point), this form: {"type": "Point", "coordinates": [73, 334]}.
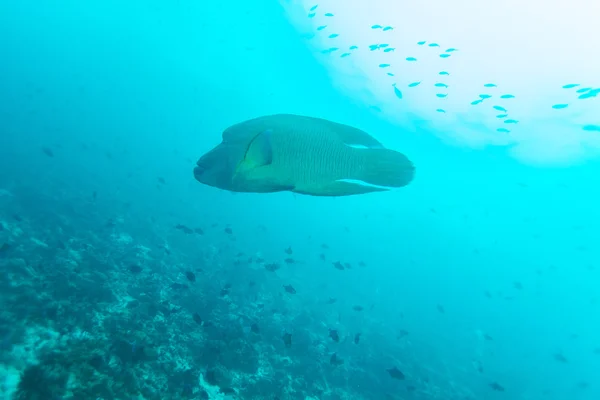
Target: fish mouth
{"type": "Point", "coordinates": [199, 171]}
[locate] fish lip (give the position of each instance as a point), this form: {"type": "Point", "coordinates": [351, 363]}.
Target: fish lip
{"type": "Point", "coordinates": [198, 171]}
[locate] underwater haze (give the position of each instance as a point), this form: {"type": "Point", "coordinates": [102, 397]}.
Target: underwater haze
{"type": "Point", "coordinates": [122, 277]}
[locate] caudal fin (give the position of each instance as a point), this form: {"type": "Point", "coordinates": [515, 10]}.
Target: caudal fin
{"type": "Point", "coordinates": [388, 168]}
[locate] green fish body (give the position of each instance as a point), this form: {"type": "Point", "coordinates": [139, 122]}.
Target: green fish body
{"type": "Point", "coordinates": [304, 155]}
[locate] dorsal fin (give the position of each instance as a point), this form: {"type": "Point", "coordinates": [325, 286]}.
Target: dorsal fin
{"type": "Point", "coordinates": [351, 136]}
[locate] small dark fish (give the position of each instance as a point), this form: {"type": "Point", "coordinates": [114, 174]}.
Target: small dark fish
{"type": "Point", "coordinates": [289, 250]}
{"type": "Point", "coordinates": [190, 276]}
{"type": "Point", "coordinates": [322, 256]}
{"type": "Point", "coordinates": [272, 267]}
{"type": "Point", "coordinates": [254, 328]}
{"type": "Point", "coordinates": [441, 309]}
{"type": "Point", "coordinates": [411, 388]}
{"type": "Point", "coordinates": [331, 300]}
{"type": "Point", "coordinates": [199, 231]}
{"type": "Point", "coordinates": [225, 291]}
{"type": "Point", "coordinates": [583, 385]}
{"type": "Point", "coordinates": [289, 260]}
{"type": "Point", "coordinates": [335, 360]}
{"type": "Point", "coordinates": [358, 308]}
{"type": "Point", "coordinates": [478, 366]}
{"type": "Point", "coordinates": [357, 338]}
{"type": "Point", "coordinates": [496, 386]}
{"type": "Point", "coordinates": [487, 337]}
{"type": "Point", "coordinates": [161, 180]}
{"type": "Point", "coordinates": [334, 335]}
{"type": "Point", "coordinates": [348, 265]}
{"type": "Point", "coordinates": [338, 265]}
{"type": "Point", "coordinates": [560, 358]}
{"type": "Point", "coordinates": [290, 289]}
{"type": "Point", "coordinates": [395, 373]}
{"type": "Point", "coordinates": [362, 264]}
{"type": "Point", "coordinates": [197, 318]}
{"type": "Point", "coordinates": [402, 333]}
{"type": "Point", "coordinates": [48, 151]}
{"type": "Point", "coordinates": [184, 229]}
{"type": "Point", "coordinates": [228, 231]}
{"type": "Point", "coordinates": [135, 269]}
{"type": "Point", "coordinates": [17, 218]}
{"type": "Point", "coordinates": [287, 339]}
{"type": "Point", "coordinates": [94, 195]}
{"type": "Point", "coordinates": [178, 286]}
{"type": "Point", "coordinates": [518, 285]}
{"type": "Point", "coordinates": [324, 246]}
{"type": "Point", "coordinates": [487, 294]}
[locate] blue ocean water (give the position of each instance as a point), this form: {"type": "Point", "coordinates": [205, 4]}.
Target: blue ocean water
{"type": "Point", "coordinates": [121, 277]}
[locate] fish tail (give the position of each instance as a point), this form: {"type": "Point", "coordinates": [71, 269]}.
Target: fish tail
{"type": "Point", "coordinates": [388, 168]}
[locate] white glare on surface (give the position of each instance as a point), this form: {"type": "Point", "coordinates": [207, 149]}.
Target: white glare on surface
{"type": "Point", "coordinates": [477, 72]}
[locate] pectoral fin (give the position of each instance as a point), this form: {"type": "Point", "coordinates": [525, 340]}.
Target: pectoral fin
{"type": "Point", "coordinates": [258, 154]}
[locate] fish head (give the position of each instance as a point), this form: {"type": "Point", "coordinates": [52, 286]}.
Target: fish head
{"type": "Point", "coordinates": [217, 167]}
{"type": "Point", "coordinates": [220, 167]}
{"type": "Point", "coordinates": [236, 164]}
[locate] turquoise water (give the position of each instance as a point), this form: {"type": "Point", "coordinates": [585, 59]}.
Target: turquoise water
{"type": "Point", "coordinates": [121, 277]}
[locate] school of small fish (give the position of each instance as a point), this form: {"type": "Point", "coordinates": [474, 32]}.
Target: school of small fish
{"type": "Point", "coordinates": [492, 96]}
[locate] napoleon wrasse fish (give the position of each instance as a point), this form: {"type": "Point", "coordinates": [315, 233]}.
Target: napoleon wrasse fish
{"type": "Point", "coordinates": [305, 155]}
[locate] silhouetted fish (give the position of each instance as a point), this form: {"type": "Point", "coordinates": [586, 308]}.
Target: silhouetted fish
{"type": "Point", "coordinates": [290, 289]}
{"type": "Point", "coordinates": [190, 276]}
{"type": "Point", "coordinates": [272, 267]}
{"type": "Point", "coordinates": [395, 373]}
{"type": "Point", "coordinates": [496, 386]}
{"type": "Point", "coordinates": [184, 229]}
{"type": "Point", "coordinates": [197, 318]}
{"type": "Point", "coordinates": [518, 285]}
{"type": "Point", "coordinates": [334, 335]}
{"type": "Point", "coordinates": [225, 291]}
{"type": "Point", "coordinates": [287, 339]}
{"type": "Point", "coordinates": [338, 265]}
{"type": "Point", "coordinates": [48, 151]}
{"type": "Point", "coordinates": [560, 358]}
{"type": "Point", "coordinates": [402, 333]}
{"type": "Point", "coordinates": [135, 269]}
{"type": "Point", "coordinates": [335, 360]}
